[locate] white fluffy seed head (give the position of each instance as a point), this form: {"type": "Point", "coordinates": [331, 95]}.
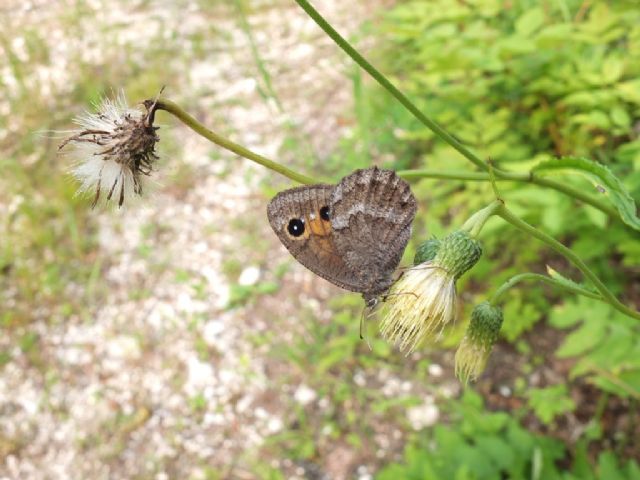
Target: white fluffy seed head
{"type": "Point", "coordinates": [113, 150]}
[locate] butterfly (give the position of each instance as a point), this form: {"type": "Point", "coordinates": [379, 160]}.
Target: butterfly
{"type": "Point", "coordinates": [352, 234]}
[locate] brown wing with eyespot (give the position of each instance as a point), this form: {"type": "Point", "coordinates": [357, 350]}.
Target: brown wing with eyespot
{"type": "Point", "coordinates": [295, 216]}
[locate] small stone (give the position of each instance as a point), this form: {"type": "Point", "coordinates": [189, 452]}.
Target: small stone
{"type": "Point", "coordinates": [424, 415]}
{"type": "Point", "coordinates": [249, 276]}
{"type": "Point", "coordinates": [435, 370]}
{"type": "Point", "coordinates": [304, 395]}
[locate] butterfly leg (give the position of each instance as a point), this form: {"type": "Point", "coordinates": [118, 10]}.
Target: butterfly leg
{"type": "Point", "coordinates": [363, 335]}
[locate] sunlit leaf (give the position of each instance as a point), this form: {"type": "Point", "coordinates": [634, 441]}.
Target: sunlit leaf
{"type": "Point", "coordinates": [604, 181]}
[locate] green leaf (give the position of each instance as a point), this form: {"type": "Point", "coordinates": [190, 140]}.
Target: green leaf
{"type": "Point", "coordinates": [549, 402]}
{"type": "Point", "coordinates": [583, 339]}
{"type": "Point", "coordinates": [620, 117]}
{"type": "Point", "coordinates": [530, 21]}
{"type": "Point", "coordinates": [602, 178]}
{"type": "Point", "coordinates": [567, 314]}
{"type": "Point", "coordinates": [608, 467]}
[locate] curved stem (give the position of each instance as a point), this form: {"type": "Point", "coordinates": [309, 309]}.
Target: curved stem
{"type": "Point", "coordinates": [382, 80]}
{"type": "Point", "coordinates": [443, 174]}
{"type": "Point", "coordinates": [607, 296]}
{"type": "Point", "coordinates": [492, 179]}
{"type": "Point", "coordinates": [511, 176]}
{"type": "Point", "coordinates": [541, 278]}
{"type": "Point", "coordinates": [474, 224]}
{"type": "Point", "coordinates": [575, 193]}
{"type": "Point", "coordinates": [193, 124]}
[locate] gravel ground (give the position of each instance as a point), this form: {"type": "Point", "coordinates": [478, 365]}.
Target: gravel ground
{"type": "Point", "coordinates": [157, 378]}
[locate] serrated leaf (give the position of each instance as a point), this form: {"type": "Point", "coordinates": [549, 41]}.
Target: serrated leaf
{"type": "Point", "coordinates": [549, 402]}
{"type": "Point", "coordinates": [602, 178]}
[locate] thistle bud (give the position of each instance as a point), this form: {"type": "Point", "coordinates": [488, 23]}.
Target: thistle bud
{"type": "Point", "coordinates": [482, 333]}
{"type": "Point", "coordinates": [426, 251]}
{"type": "Point", "coordinates": [423, 300]}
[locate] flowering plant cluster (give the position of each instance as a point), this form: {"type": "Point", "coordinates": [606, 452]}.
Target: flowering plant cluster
{"type": "Point", "coordinates": [115, 151]}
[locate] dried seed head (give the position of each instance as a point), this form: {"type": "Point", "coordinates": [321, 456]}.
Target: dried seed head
{"type": "Point", "coordinates": [115, 149]}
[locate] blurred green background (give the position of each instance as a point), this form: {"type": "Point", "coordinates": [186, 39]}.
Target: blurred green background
{"type": "Point", "coordinates": [175, 338]}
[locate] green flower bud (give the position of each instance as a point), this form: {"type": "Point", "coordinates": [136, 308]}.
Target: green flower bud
{"type": "Point", "coordinates": [482, 333]}
{"type": "Point", "coordinates": [426, 251]}
{"type": "Point", "coordinates": [458, 252]}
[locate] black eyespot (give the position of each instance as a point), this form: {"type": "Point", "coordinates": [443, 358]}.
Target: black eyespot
{"type": "Point", "coordinates": [324, 213]}
{"type": "Point", "coordinates": [295, 227]}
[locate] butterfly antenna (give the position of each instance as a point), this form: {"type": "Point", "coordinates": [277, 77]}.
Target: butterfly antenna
{"type": "Point", "coordinates": [395, 294]}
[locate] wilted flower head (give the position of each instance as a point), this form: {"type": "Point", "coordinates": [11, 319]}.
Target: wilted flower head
{"type": "Point", "coordinates": [424, 299]}
{"type": "Point", "coordinates": [114, 148]}
{"type": "Point", "coordinates": [473, 352]}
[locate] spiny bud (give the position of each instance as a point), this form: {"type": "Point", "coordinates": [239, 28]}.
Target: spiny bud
{"type": "Point", "coordinates": [458, 252]}
{"type": "Point", "coordinates": [482, 333]}
{"type": "Point", "coordinates": [426, 251]}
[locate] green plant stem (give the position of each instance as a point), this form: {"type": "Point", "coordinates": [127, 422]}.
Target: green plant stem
{"type": "Point", "coordinates": [474, 224]}
{"type": "Point", "coordinates": [541, 278]}
{"type": "Point", "coordinates": [607, 296]}
{"type": "Point", "coordinates": [443, 174]}
{"type": "Point", "coordinates": [266, 78]}
{"type": "Point", "coordinates": [382, 80]}
{"type": "Point", "coordinates": [193, 124]}
{"type": "Point", "coordinates": [511, 176]}
{"type": "Point", "coordinates": [615, 380]}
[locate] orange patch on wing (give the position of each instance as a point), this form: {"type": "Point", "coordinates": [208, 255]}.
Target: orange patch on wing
{"type": "Point", "coordinates": [319, 227]}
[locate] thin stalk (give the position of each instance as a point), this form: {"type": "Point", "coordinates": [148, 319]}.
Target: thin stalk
{"type": "Point", "coordinates": [514, 177]}
{"type": "Point", "coordinates": [607, 296]}
{"type": "Point", "coordinates": [382, 80]}
{"type": "Point", "coordinates": [541, 278]}
{"type": "Point", "coordinates": [266, 78]}
{"type": "Point", "coordinates": [443, 174]}
{"type": "Point", "coordinates": [193, 124]}
{"type": "Point", "coordinates": [615, 380]}
{"type": "Point", "coordinates": [577, 194]}
{"type": "Point", "coordinates": [474, 224]}
{"type": "Point", "coordinates": [492, 178]}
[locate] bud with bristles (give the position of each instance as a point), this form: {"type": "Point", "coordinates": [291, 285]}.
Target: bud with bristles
{"type": "Point", "coordinates": [426, 251]}
{"type": "Point", "coordinates": [423, 300]}
{"type": "Point", "coordinates": [482, 333]}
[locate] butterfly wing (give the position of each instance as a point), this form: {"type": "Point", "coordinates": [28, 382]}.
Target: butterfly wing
{"type": "Point", "coordinates": [371, 214]}
{"type": "Point", "coordinates": [304, 228]}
